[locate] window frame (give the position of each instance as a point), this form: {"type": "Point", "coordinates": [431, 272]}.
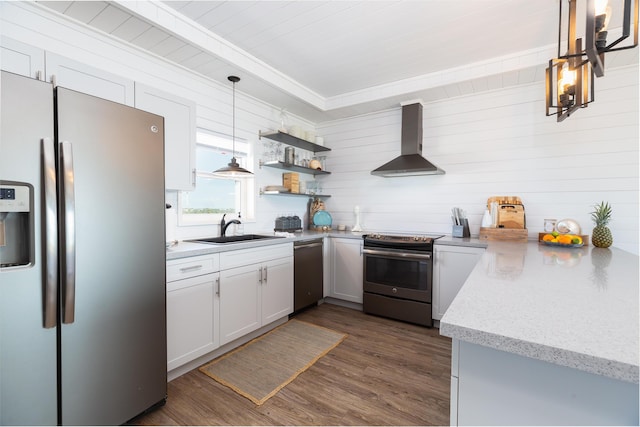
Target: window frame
{"type": "Point", "coordinates": [244, 187]}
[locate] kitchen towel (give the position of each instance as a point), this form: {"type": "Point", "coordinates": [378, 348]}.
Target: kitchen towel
{"type": "Point", "coordinates": [263, 366]}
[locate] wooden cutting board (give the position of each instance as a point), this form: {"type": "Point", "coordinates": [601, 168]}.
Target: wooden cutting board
{"type": "Point", "coordinates": [511, 216]}
{"type": "Point", "coordinates": [504, 234]}
{"type": "Point", "coordinates": [504, 200]}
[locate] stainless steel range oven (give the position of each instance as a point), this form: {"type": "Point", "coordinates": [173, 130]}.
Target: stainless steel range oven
{"type": "Point", "coordinates": [398, 277]}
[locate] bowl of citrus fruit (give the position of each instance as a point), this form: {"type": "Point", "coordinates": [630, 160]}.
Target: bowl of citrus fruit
{"type": "Point", "coordinates": [565, 240]}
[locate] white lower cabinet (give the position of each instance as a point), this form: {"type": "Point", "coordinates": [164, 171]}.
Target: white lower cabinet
{"type": "Point", "coordinates": [215, 299]}
{"type": "Point", "coordinates": [256, 288]}
{"type": "Point", "coordinates": [192, 308]}
{"type": "Point", "coordinates": [346, 269]}
{"type": "Point", "coordinates": [240, 312]}
{"type": "Point", "coordinates": [277, 289]}
{"type": "Point", "coordinates": [451, 267]}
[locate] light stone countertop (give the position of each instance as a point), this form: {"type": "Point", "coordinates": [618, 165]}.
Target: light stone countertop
{"type": "Point", "coordinates": [575, 307]}
{"type": "Point", "coordinates": [186, 249]}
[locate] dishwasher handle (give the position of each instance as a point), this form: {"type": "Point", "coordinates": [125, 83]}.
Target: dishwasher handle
{"type": "Point", "coordinates": [307, 245]}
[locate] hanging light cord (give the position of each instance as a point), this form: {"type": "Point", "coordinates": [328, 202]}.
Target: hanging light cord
{"type": "Point", "coordinates": [233, 120]}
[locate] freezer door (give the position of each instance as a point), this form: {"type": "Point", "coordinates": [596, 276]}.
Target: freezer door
{"type": "Point", "coordinates": [28, 388]}
{"type": "Point", "coordinates": [113, 339]}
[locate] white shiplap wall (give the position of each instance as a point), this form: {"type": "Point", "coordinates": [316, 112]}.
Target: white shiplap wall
{"type": "Point", "coordinates": [495, 143]}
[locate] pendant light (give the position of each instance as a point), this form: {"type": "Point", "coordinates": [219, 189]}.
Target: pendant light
{"type": "Point", "coordinates": [233, 170]}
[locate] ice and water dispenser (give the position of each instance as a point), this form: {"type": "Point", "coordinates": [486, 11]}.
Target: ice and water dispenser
{"type": "Point", "coordinates": [16, 225]}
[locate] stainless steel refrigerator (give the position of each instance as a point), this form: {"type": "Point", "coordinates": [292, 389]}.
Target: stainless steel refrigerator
{"type": "Point", "coordinates": [82, 254]}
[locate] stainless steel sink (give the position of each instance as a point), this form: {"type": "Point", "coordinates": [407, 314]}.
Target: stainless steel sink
{"type": "Point", "coordinates": [234, 239]}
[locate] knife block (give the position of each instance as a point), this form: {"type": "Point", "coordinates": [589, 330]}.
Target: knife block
{"type": "Point", "coordinates": [461, 230]}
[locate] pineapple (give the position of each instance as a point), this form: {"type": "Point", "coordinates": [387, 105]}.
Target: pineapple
{"type": "Point", "coordinates": [601, 236]}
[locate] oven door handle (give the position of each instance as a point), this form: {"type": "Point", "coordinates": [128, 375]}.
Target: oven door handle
{"type": "Point", "coordinates": [396, 254]}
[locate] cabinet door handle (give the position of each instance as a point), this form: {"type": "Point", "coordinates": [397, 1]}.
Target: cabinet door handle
{"type": "Point", "coordinates": [260, 276]}
{"type": "Point", "coordinates": [265, 274]}
{"type": "Point", "coordinates": [193, 177]}
{"type": "Point", "coordinates": [191, 268]}
{"type": "Point", "coordinates": [218, 286]}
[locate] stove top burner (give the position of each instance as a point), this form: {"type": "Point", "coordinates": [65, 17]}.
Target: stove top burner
{"type": "Point", "coordinates": [417, 239]}
{"type": "Point", "coordinates": [421, 243]}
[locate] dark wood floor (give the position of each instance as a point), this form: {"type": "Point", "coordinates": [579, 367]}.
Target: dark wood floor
{"type": "Point", "coordinates": [384, 373]}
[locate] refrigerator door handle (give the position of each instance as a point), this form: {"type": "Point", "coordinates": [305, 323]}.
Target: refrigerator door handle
{"type": "Point", "coordinates": [68, 232]}
{"type": "Point", "coordinates": [50, 305]}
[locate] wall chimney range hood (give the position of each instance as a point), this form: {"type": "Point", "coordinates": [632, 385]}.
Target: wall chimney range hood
{"type": "Point", "coordinates": [410, 162]}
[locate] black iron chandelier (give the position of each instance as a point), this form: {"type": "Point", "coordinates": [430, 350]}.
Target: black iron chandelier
{"type": "Point", "coordinates": [570, 76]}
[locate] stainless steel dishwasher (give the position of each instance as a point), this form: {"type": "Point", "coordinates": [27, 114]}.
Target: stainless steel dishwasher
{"type": "Point", "coordinates": [307, 270]}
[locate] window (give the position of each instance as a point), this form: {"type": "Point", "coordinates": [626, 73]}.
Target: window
{"type": "Point", "coordinates": [214, 196]}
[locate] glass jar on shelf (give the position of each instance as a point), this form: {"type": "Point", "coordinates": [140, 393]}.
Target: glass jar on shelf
{"type": "Point", "coordinates": [323, 162]}
{"type": "Point", "coordinates": [278, 152]}
{"type": "Point", "coordinates": [549, 225]}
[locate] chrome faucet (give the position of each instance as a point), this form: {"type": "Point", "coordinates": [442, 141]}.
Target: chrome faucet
{"type": "Point", "coordinates": [224, 225]}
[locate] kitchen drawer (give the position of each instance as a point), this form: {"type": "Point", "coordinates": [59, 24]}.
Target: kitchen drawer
{"type": "Point", "coordinates": [184, 268]}
{"type": "Point", "coordinates": [233, 259]}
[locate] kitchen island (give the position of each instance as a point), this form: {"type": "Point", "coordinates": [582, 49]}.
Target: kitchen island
{"type": "Point", "coordinates": [546, 335]}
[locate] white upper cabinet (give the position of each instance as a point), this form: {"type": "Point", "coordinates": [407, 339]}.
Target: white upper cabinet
{"type": "Point", "coordinates": [179, 134]}
{"type": "Point", "coordinates": [86, 79]}
{"type": "Point", "coordinates": [23, 59]}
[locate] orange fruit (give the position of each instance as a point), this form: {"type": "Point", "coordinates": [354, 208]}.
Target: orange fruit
{"type": "Point", "coordinates": [564, 239]}
{"type": "Point", "coordinates": [547, 237]}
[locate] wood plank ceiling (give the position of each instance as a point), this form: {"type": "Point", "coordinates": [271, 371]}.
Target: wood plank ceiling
{"type": "Point", "coordinates": [330, 59]}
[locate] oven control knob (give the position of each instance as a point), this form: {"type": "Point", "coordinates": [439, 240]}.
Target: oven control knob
{"type": "Point", "coordinates": [416, 238]}
{"type": "Point", "coordinates": [394, 290]}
